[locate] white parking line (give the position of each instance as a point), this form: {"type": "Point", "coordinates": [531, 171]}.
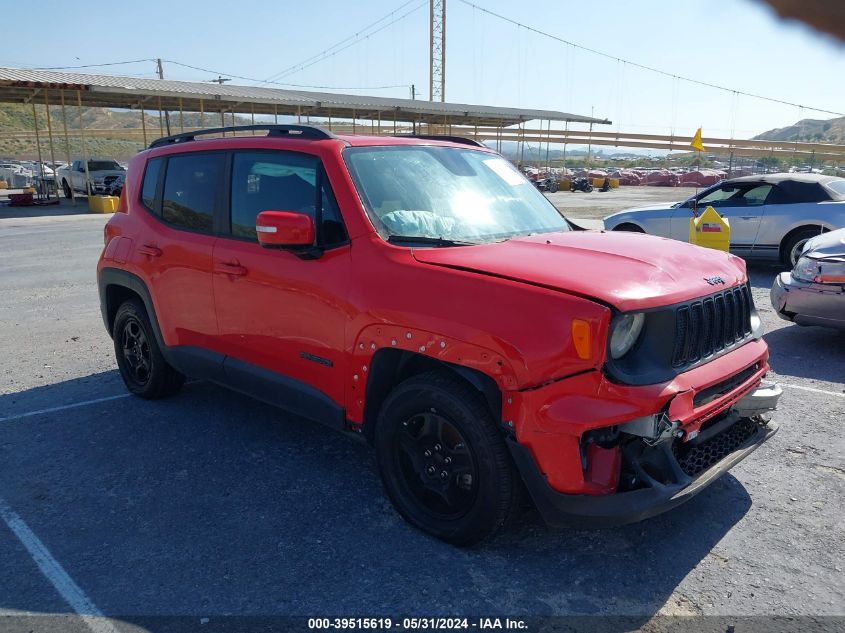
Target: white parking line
{"type": "Point", "coordinates": [814, 390]}
{"type": "Point", "coordinates": [84, 403]}
{"type": "Point", "coordinates": [55, 573]}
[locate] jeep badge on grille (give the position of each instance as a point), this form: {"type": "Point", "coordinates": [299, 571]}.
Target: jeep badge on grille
{"type": "Point", "coordinates": [715, 280]}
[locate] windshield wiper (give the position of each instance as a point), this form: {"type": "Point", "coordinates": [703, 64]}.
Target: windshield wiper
{"type": "Point", "coordinates": [428, 240]}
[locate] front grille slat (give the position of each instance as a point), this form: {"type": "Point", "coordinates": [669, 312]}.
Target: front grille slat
{"type": "Point", "coordinates": [706, 327]}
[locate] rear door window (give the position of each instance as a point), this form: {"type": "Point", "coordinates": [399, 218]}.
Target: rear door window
{"type": "Point", "coordinates": [190, 190]}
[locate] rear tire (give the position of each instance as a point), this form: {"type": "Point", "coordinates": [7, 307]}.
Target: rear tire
{"type": "Point", "coordinates": [443, 460]}
{"type": "Point", "coordinates": [792, 247]}
{"type": "Point", "coordinates": [142, 366]}
{"type": "Point", "coordinates": [66, 189]}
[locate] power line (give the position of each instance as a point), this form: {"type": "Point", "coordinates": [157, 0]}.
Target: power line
{"type": "Point", "coordinates": [253, 79]}
{"type": "Point", "coordinates": [132, 61]}
{"type": "Point", "coordinates": [352, 40]}
{"type": "Point", "coordinates": [643, 66]}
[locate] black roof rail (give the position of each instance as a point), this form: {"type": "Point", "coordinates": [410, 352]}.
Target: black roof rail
{"type": "Point", "coordinates": [299, 131]}
{"type": "Point", "coordinates": [443, 137]}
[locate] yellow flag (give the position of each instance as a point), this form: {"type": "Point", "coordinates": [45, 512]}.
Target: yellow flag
{"type": "Point", "coordinates": [696, 141]}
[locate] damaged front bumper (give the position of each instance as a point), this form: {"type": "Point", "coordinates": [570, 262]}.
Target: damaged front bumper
{"type": "Point", "coordinates": [808, 303]}
{"type": "Point", "coordinates": [658, 475]}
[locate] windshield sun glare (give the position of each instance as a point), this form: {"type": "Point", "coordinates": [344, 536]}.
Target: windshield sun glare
{"type": "Point", "coordinates": [448, 193]}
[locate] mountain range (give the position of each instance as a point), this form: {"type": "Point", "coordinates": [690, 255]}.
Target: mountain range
{"type": "Point", "coordinates": [810, 130]}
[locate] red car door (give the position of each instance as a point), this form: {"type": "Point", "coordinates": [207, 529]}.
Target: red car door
{"type": "Point", "coordinates": [176, 249]}
{"type": "Point", "coordinates": [282, 316]}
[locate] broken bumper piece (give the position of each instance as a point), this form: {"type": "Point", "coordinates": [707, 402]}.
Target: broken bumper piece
{"type": "Point", "coordinates": [658, 475]}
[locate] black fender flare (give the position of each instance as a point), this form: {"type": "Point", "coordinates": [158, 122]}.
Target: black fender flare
{"type": "Point", "coordinates": [108, 277]}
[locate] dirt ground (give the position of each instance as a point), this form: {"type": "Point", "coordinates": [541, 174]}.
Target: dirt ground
{"type": "Point", "coordinates": [597, 205]}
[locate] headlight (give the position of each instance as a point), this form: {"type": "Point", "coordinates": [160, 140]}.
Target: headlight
{"type": "Point", "coordinates": [806, 269]}
{"type": "Point", "coordinates": [624, 332]}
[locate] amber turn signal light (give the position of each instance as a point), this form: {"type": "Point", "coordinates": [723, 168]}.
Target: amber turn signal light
{"type": "Point", "coordinates": [582, 338]}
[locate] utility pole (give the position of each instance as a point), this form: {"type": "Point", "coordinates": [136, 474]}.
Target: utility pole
{"type": "Point", "coordinates": [166, 113]}
{"type": "Point", "coordinates": [437, 51]}
{"type": "Point", "coordinates": [220, 80]}
{"type": "Point", "coordinates": [413, 92]}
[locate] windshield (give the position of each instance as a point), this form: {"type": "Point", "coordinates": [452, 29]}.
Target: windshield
{"type": "Point", "coordinates": [448, 193]}
{"type": "Point", "coordinates": [103, 165]}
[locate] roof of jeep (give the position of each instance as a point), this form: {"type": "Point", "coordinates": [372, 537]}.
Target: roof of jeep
{"type": "Point", "coordinates": [349, 140]}
{"type": "Point", "coordinates": [362, 140]}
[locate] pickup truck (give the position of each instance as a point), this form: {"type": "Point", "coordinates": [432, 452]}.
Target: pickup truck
{"type": "Point", "coordinates": [100, 174]}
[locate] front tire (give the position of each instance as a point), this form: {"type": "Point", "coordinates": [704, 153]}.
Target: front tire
{"type": "Point", "coordinates": [443, 461]}
{"type": "Point", "coordinates": [794, 245]}
{"type": "Point", "coordinates": [142, 366]}
{"type": "Point", "coordinates": [66, 190]}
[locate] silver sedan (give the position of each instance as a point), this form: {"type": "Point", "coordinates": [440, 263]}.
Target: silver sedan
{"type": "Point", "coordinates": [771, 216]}
{"type": "Point", "coordinates": [814, 292]}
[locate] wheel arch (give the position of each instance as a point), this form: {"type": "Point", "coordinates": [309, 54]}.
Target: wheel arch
{"type": "Point", "coordinates": [626, 225]}
{"type": "Point", "coordinates": [389, 367]}
{"type": "Point", "coordinates": [821, 227]}
{"type": "Point", "coordinates": [116, 286]}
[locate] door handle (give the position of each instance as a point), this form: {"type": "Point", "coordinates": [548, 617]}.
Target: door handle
{"type": "Point", "coordinates": [748, 217]}
{"type": "Point", "coordinates": [230, 269]}
{"type": "Point", "coordinates": [150, 250]}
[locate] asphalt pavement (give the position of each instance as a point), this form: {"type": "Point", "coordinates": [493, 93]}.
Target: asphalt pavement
{"type": "Point", "coordinates": [210, 504]}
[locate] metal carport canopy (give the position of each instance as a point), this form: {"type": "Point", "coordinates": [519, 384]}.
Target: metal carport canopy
{"type": "Point", "coordinates": [19, 86]}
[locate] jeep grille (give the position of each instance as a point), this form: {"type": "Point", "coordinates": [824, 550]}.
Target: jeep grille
{"type": "Point", "coordinates": [707, 326]}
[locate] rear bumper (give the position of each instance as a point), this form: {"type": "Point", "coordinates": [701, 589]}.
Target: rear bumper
{"type": "Point", "coordinates": [667, 474]}
{"type": "Point", "coordinates": [808, 303]}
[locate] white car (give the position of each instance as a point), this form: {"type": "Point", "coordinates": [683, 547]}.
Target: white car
{"type": "Point", "coordinates": [771, 216]}
{"type": "Point", "coordinates": [101, 173]}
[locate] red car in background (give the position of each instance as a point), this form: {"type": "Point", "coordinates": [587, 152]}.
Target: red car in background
{"type": "Point", "coordinates": [425, 294]}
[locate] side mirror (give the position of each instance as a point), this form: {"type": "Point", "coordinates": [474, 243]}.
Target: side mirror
{"type": "Point", "coordinates": [284, 229]}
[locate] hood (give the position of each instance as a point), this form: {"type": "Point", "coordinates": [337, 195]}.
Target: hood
{"type": "Point", "coordinates": [630, 271]}
{"type": "Point", "coordinates": [830, 244]}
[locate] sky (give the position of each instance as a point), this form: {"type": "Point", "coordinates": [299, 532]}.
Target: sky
{"type": "Point", "coordinates": [738, 44]}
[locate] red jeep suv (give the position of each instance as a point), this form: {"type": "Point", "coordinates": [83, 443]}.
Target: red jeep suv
{"type": "Point", "coordinates": [420, 291]}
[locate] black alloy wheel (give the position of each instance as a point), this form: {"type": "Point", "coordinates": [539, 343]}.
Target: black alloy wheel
{"type": "Point", "coordinates": [437, 466]}
{"type": "Point", "coordinates": [144, 369]}
{"type": "Point", "coordinates": [443, 459]}
{"type": "Point", "coordinates": [136, 350]}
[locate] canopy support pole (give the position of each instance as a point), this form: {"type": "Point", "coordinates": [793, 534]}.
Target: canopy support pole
{"type": "Point", "coordinates": [37, 139]}
{"type": "Point", "coordinates": [67, 143]}
{"type": "Point", "coordinates": [84, 148]}
{"type": "Point", "coordinates": [52, 149]}
{"type": "Point", "coordinates": [144, 124]}
{"type": "Point", "coordinates": [160, 118]}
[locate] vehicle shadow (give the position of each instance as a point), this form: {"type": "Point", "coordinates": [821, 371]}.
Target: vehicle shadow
{"type": "Point", "coordinates": [807, 352]}
{"type": "Point", "coordinates": [763, 275]}
{"type": "Point", "coordinates": [209, 503]}
{"type": "Point", "coordinates": [64, 207]}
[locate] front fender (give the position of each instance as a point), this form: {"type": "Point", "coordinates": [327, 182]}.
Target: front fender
{"type": "Point", "coordinates": [430, 344]}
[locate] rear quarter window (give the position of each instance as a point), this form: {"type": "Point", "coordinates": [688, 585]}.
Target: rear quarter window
{"type": "Point", "coordinates": [150, 184]}
{"type": "Point", "coordinates": [190, 191]}
{"type": "Point", "coordinates": [838, 186]}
